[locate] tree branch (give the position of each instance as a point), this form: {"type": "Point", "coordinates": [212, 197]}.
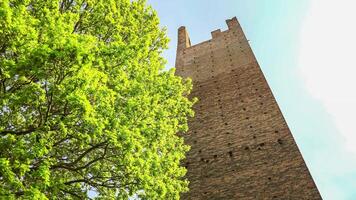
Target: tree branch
{"type": "Point", "coordinates": [23, 132]}
{"type": "Point", "coordinates": [93, 161]}
{"type": "Point", "coordinates": [77, 24]}
{"type": "Point", "coordinates": [70, 166]}
{"type": "Point", "coordinates": [87, 152]}
{"type": "Point", "coordinates": [71, 193]}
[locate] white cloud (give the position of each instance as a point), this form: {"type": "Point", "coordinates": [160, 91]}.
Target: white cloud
{"type": "Point", "coordinates": [328, 61]}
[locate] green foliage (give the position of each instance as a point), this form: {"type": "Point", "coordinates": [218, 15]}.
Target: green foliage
{"type": "Point", "coordinates": [85, 105]}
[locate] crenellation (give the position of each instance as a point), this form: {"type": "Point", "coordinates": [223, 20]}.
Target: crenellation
{"type": "Point", "coordinates": [216, 33]}
{"type": "Point", "coordinates": [232, 23]}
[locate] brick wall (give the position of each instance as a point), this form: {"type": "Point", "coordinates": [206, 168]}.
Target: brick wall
{"type": "Point", "coordinates": [241, 146]}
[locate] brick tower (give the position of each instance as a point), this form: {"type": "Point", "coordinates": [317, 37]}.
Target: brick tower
{"type": "Point", "coordinates": [241, 146]}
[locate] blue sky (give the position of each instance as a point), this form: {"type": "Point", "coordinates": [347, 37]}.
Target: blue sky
{"type": "Point", "coordinates": [305, 49]}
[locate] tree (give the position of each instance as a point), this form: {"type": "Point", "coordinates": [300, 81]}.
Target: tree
{"type": "Point", "coordinates": [86, 107]}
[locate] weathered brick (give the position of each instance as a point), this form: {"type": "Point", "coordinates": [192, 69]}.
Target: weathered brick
{"type": "Point", "coordinates": [241, 146]}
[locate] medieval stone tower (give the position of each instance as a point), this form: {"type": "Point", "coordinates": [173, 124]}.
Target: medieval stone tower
{"type": "Point", "coordinates": [241, 146]}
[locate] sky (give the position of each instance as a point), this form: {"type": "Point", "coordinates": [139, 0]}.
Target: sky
{"type": "Point", "coordinates": [306, 49]}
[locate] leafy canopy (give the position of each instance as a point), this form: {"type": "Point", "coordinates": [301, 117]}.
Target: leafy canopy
{"type": "Point", "coordinates": [86, 108]}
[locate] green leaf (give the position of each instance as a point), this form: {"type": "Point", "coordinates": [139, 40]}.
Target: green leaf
{"type": "Point", "coordinates": [85, 105]}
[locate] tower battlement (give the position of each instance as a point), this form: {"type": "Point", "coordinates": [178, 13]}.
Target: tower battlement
{"type": "Point", "coordinates": [241, 146]}
{"type": "Point", "coordinates": [184, 40]}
